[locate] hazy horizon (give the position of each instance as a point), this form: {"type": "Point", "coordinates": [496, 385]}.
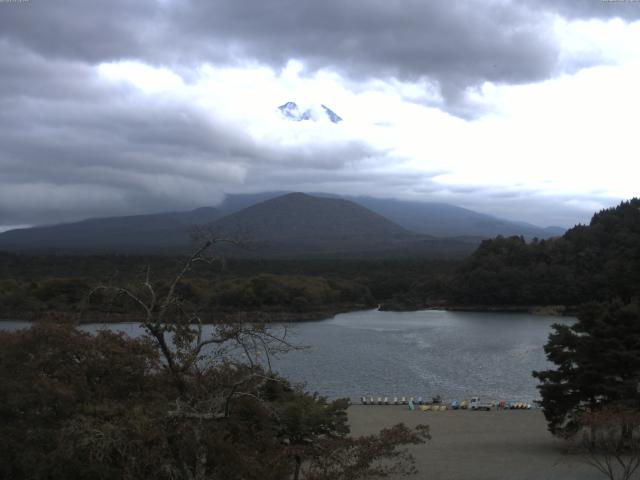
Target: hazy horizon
{"type": "Point", "coordinates": [278, 193]}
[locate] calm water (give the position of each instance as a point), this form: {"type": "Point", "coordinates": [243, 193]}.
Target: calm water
{"type": "Point", "coordinates": [453, 354]}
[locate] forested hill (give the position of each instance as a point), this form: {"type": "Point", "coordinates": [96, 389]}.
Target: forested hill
{"type": "Point", "coordinates": [589, 262]}
{"type": "Point", "coordinates": [302, 216]}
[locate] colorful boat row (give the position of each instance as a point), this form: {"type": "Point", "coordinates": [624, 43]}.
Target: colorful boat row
{"type": "Point", "coordinates": [436, 404]}
{"type": "Point", "coordinates": [399, 401]}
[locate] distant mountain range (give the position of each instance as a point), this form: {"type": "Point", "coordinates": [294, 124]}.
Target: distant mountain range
{"type": "Point", "coordinates": [281, 224]}
{"type": "Point", "coordinates": [444, 220]}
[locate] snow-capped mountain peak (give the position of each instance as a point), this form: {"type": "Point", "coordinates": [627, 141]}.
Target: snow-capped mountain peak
{"type": "Point", "coordinates": [292, 111]}
{"type": "Point", "coordinates": [333, 116]}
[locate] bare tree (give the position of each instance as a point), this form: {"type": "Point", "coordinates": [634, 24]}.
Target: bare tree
{"type": "Point", "coordinates": [218, 371]}
{"type": "Point", "coordinates": [611, 441]}
{"type": "Point", "coordinates": [179, 332]}
{"type": "Point", "coordinates": [189, 354]}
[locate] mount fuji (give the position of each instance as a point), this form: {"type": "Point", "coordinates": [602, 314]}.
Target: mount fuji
{"type": "Point", "coordinates": [292, 111]}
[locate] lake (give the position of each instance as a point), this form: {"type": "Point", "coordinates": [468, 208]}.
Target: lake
{"type": "Point", "coordinates": [426, 353]}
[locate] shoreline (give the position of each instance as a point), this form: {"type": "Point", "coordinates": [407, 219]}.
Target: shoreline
{"type": "Point", "coordinates": [293, 317]}
{"type": "Point", "coordinates": [540, 310]}
{"type": "Point", "coordinates": [252, 316]}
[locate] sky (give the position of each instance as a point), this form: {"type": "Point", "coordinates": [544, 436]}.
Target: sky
{"type": "Point", "coordinates": [523, 109]}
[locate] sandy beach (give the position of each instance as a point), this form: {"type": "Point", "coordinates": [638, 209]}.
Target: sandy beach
{"type": "Point", "coordinates": [468, 445]}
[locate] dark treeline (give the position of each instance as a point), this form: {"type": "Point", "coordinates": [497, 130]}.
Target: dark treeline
{"type": "Point", "coordinates": [594, 262]}
{"type": "Point", "coordinates": [31, 285]}
{"type": "Point", "coordinates": [592, 389]}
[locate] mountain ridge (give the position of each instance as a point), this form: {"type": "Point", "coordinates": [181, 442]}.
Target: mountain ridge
{"type": "Point", "coordinates": [329, 225]}
{"type": "Point", "coordinates": [288, 216]}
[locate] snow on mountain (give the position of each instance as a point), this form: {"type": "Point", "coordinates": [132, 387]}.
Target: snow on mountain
{"type": "Point", "coordinates": [333, 116]}
{"type": "Point", "coordinates": [292, 111]}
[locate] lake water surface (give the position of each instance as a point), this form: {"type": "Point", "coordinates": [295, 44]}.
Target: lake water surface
{"type": "Point", "coordinates": [374, 353]}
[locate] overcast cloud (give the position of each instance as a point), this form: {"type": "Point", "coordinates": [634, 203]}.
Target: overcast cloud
{"type": "Point", "coordinates": [520, 109]}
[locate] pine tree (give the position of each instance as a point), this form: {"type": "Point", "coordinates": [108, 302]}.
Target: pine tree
{"type": "Point", "coordinates": [597, 364]}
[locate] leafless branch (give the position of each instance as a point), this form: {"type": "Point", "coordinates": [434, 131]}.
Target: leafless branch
{"type": "Point", "coordinates": [611, 441]}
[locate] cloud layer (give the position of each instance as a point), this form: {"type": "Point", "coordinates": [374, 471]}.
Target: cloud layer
{"type": "Point", "coordinates": [159, 104]}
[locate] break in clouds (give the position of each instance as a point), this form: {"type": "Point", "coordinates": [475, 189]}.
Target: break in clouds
{"type": "Point", "coordinates": [127, 107]}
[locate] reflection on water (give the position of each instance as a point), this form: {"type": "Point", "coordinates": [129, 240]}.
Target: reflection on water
{"type": "Point", "coordinates": [454, 354]}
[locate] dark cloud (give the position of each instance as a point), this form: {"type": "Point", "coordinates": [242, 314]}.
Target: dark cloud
{"type": "Point", "coordinates": [456, 44]}
{"type": "Point", "coordinates": [588, 9]}
{"type": "Point", "coordinates": [73, 145]}
{"type": "Point", "coordinates": [81, 30]}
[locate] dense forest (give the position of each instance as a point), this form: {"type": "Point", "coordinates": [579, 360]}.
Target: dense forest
{"type": "Point", "coordinates": [263, 289]}
{"type": "Point", "coordinates": [591, 262]}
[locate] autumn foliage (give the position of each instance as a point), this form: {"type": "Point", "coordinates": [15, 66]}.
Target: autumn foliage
{"type": "Point", "coordinates": [104, 406]}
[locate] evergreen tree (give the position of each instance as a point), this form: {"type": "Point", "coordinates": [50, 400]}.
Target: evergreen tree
{"type": "Point", "coordinates": [597, 364]}
{"type": "Point", "coordinates": [595, 262]}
